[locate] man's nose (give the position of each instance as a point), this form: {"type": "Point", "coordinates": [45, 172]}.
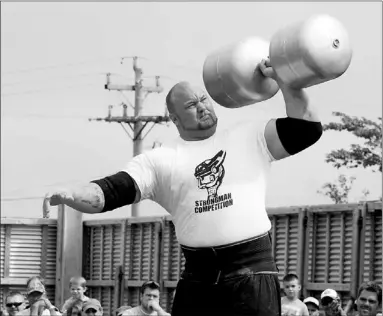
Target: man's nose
{"type": "Point", "coordinates": [201, 107]}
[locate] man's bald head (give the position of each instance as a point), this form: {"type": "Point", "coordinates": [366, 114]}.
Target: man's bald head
{"type": "Point", "coordinates": [177, 89]}
{"type": "Point", "coordinates": [191, 111]}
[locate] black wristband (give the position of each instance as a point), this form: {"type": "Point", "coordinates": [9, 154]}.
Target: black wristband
{"type": "Point", "coordinates": [119, 190]}
{"type": "Point", "coordinates": [297, 134]}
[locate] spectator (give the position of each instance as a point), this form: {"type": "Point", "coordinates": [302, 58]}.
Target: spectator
{"type": "Point", "coordinates": [39, 304]}
{"type": "Point", "coordinates": [74, 304]}
{"type": "Point", "coordinates": [150, 299]}
{"type": "Point", "coordinates": [312, 305]}
{"type": "Point", "coordinates": [14, 303]}
{"type": "Point", "coordinates": [369, 299]}
{"type": "Point", "coordinates": [331, 303]}
{"type": "Point", "coordinates": [92, 307]}
{"type": "Point", "coordinates": [291, 304]}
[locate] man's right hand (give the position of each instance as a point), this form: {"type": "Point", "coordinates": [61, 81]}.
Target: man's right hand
{"type": "Point", "coordinates": [56, 198]}
{"type": "Point", "coordinates": [88, 198]}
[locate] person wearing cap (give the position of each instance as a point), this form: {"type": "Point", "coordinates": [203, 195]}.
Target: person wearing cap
{"type": "Point", "coordinates": [312, 305]}
{"type": "Point", "coordinates": [331, 303]}
{"type": "Point", "coordinates": [92, 307]}
{"type": "Point", "coordinates": [39, 304]}
{"type": "Point", "coordinates": [369, 299]}
{"type": "Point", "coordinates": [150, 301]}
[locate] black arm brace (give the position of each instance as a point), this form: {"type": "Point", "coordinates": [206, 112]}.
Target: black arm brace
{"type": "Point", "coordinates": [119, 190]}
{"type": "Point", "coordinates": [296, 134]}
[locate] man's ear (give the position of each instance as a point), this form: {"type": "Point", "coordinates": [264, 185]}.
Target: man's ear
{"type": "Point", "coordinates": [173, 118]}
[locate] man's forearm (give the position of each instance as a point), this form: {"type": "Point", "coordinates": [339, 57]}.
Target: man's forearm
{"type": "Point", "coordinates": [297, 104]}
{"type": "Point", "coordinates": [87, 199]}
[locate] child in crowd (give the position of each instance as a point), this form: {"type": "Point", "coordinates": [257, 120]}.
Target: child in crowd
{"type": "Point", "coordinates": [291, 304]}
{"type": "Point", "coordinates": [73, 306]}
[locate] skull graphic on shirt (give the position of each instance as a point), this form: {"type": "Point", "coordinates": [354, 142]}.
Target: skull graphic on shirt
{"type": "Point", "coordinates": [210, 173]}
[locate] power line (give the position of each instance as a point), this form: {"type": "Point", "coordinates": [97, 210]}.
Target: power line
{"type": "Point", "coordinates": [26, 70]}
{"type": "Point", "coordinates": [54, 184]}
{"type": "Point", "coordinates": [22, 198]}
{"type": "Point", "coordinates": [10, 84]}
{"type": "Point", "coordinates": [40, 116]}
{"type": "Point", "coordinates": [45, 89]}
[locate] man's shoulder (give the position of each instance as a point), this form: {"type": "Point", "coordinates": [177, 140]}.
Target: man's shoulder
{"type": "Point", "coordinates": [159, 154]}
{"type": "Point", "coordinates": [135, 311]}
{"type": "Point", "coordinates": [246, 124]}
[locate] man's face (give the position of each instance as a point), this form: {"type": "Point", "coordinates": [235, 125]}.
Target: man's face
{"type": "Point", "coordinates": [14, 304]}
{"type": "Point", "coordinates": [291, 288]}
{"type": "Point", "coordinates": [193, 110]}
{"type": "Point", "coordinates": [367, 303]}
{"type": "Point", "coordinates": [77, 291]}
{"type": "Point", "coordinates": [330, 305]}
{"type": "Point", "coordinates": [148, 296]}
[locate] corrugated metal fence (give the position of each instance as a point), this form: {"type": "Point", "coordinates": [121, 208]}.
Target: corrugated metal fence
{"type": "Point", "coordinates": [316, 242]}
{"type": "Point", "coordinates": [27, 248]}
{"type": "Point", "coordinates": [332, 246]}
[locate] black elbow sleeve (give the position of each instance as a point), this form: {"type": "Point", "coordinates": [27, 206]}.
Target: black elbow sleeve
{"type": "Point", "coordinates": [119, 190]}
{"type": "Point", "coordinates": [296, 134]}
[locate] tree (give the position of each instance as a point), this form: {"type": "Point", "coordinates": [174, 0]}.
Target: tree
{"type": "Point", "coordinates": [338, 192]}
{"type": "Point", "coordinates": [369, 155]}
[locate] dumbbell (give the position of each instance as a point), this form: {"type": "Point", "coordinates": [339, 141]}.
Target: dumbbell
{"type": "Point", "coordinates": [303, 54]}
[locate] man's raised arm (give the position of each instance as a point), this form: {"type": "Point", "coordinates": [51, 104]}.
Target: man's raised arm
{"type": "Point", "coordinates": [300, 129]}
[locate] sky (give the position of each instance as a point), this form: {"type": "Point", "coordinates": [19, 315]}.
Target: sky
{"type": "Point", "coordinates": [55, 57]}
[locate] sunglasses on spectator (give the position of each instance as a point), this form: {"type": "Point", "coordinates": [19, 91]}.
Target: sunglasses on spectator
{"type": "Point", "coordinates": [327, 301]}
{"type": "Point", "coordinates": [90, 310]}
{"type": "Point", "coordinates": [13, 304]}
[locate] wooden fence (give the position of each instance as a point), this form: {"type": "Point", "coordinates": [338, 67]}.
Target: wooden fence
{"type": "Point", "coordinates": [328, 246]}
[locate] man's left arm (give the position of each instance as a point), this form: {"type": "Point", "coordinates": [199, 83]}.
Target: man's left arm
{"type": "Point", "coordinates": [300, 129]}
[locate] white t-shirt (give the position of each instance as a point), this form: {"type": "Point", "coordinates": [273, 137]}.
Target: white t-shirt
{"type": "Point", "coordinates": [214, 189]}
{"type": "Point", "coordinates": [137, 311]}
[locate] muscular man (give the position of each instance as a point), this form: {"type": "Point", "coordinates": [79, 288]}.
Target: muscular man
{"type": "Point", "coordinates": [214, 185]}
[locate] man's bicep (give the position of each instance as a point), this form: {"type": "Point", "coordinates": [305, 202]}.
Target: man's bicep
{"type": "Point", "coordinates": [143, 171]}
{"type": "Point", "coordinates": [273, 141]}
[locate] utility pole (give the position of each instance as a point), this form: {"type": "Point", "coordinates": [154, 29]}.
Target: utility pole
{"type": "Point", "coordinates": [138, 121]}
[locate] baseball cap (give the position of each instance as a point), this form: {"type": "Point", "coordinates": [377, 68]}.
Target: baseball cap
{"type": "Point", "coordinates": [329, 293]}
{"type": "Point", "coordinates": [312, 300]}
{"type": "Point", "coordinates": [92, 303]}
{"type": "Point", "coordinates": [35, 285]}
